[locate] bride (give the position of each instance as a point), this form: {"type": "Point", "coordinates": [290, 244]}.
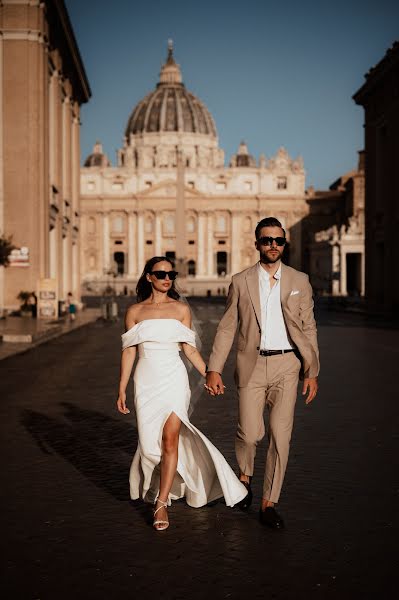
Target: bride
{"type": "Point", "coordinates": [173, 458]}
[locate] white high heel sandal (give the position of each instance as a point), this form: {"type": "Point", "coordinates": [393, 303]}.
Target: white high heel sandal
{"type": "Point", "coordinates": [165, 524]}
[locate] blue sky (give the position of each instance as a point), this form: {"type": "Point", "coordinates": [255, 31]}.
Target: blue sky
{"type": "Point", "coordinates": [271, 73]}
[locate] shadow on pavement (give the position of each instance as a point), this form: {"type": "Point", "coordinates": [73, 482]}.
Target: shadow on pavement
{"type": "Point", "coordinates": [99, 447]}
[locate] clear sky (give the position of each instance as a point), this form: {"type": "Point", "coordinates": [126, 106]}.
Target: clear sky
{"type": "Point", "coordinates": [271, 73]}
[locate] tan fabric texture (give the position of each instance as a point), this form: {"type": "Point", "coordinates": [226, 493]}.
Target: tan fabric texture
{"type": "Point", "coordinates": [242, 312]}
{"type": "Point", "coordinates": [274, 383]}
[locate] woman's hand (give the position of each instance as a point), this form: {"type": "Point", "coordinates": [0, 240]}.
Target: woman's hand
{"type": "Point", "coordinates": [121, 403]}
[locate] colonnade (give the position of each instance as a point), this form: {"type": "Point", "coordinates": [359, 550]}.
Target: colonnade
{"type": "Point", "coordinates": [206, 245]}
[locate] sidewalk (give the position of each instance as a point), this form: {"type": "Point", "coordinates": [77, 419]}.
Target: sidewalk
{"type": "Point", "coordinates": [19, 334]}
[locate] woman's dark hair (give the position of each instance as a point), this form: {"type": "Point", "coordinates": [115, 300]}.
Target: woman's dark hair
{"type": "Point", "coordinates": [268, 222]}
{"type": "Point", "coordinates": [144, 288]}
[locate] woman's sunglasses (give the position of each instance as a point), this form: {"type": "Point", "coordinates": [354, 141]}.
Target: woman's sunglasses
{"type": "Point", "coordinates": [162, 274]}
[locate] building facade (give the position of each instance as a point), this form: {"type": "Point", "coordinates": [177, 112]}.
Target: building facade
{"type": "Point", "coordinates": [334, 231]}
{"type": "Point", "coordinates": [171, 194]}
{"type": "Point", "coordinates": [380, 98]}
{"type": "Point", "coordinates": [43, 84]}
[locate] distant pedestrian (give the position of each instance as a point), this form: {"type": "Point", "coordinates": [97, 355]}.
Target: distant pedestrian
{"type": "Point", "coordinates": [32, 301]}
{"type": "Point", "coordinates": [71, 306]}
{"type": "Point", "coordinates": [271, 305]}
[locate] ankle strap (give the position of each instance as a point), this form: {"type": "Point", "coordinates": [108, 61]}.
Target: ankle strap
{"type": "Point", "coordinates": [163, 505]}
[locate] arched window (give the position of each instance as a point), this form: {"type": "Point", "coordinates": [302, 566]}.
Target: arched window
{"type": "Point", "coordinates": [92, 262]}
{"type": "Point", "coordinates": [191, 225]}
{"type": "Point", "coordinates": [191, 268]}
{"type": "Point", "coordinates": [282, 183]}
{"type": "Point", "coordinates": [221, 263]}
{"type": "Point", "coordinates": [247, 225]}
{"type": "Point", "coordinates": [119, 258]}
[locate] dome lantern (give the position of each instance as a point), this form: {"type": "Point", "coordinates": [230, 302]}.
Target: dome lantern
{"type": "Point", "coordinates": [170, 72]}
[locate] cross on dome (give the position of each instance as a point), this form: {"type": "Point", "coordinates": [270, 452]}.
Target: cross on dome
{"type": "Point", "coordinates": [170, 71]}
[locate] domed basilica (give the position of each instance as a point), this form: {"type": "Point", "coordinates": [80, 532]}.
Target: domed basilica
{"type": "Point", "coordinates": [171, 194]}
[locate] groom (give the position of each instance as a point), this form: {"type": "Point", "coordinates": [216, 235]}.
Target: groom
{"type": "Point", "coordinates": [272, 306]}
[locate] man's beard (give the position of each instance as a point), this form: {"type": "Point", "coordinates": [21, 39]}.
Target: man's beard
{"type": "Point", "coordinates": [270, 259]}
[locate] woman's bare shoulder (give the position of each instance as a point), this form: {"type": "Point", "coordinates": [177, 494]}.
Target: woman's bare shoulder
{"type": "Point", "coordinates": [131, 315]}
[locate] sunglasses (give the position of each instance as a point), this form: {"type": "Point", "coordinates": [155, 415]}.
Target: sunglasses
{"type": "Point", "coordinates": [162, 274]}
{"type": "Point", "coordinates": [268, 241]}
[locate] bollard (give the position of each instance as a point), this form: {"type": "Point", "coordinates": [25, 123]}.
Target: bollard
{"type": "Point", "coordinates": [114, 310]}
{"type": "Point", "coordinates": [104, 310]}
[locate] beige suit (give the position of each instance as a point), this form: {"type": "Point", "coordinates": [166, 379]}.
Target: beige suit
{"type": "Point", "coordinates": [270, 381]}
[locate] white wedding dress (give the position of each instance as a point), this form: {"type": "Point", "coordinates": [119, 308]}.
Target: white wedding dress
{"type": "Point", "coordinates": [161, 387]}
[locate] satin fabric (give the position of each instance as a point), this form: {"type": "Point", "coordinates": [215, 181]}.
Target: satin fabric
{"type": "Point", "coordinates": [161, 387]}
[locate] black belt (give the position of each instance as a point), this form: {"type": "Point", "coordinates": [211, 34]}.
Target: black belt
{"type": "Point", "coordinates": [273, 352]}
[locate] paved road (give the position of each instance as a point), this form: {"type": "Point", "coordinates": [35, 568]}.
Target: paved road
{"type": "Point", "coordinates": [71, 532]}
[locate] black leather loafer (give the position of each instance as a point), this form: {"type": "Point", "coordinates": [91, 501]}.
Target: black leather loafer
{"type": "Point", "coordinates": [271, 518]}
{"type": "Point", "coordinates": [246, 502]}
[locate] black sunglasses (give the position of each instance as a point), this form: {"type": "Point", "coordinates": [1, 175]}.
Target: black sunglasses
{"type": "Point", "coordinates": [162, 274]}
{"type": "Point", "coordinates": [268, 241]}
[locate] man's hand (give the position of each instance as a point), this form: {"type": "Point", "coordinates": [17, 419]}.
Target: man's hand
{"type": "Point", "coordinates": [214, 383]}
{"type": "Point", "coordinates": [310, 385]}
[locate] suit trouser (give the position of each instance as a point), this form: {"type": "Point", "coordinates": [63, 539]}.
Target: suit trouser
{"type": "Point", "coordinates": [273, 383]}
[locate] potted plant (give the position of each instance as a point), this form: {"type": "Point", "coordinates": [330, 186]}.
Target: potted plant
{"type": "Point", "coordinates": [6, 247]}
{"type": "Point", "coordinates": [25, 309]}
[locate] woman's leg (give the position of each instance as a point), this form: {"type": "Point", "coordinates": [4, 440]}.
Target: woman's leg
{"type": "Point", "coordinates": [170, 444]}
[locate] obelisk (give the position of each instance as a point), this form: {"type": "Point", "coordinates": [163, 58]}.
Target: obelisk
{"type": "Point", "coordinates": [180, 219]}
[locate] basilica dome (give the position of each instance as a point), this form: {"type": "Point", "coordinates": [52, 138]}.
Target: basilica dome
{"type": "Point", "coordinates": [97, 158]}
{"type": "Point", "coordinates": [170, 107]}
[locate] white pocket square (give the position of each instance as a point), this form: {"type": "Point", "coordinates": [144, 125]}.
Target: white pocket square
{"type": "Point", "coordinates": [294, 292]}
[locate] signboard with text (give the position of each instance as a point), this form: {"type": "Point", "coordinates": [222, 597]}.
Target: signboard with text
{"type": "Point", "coordinates": [47, 301]}
{"type": "Point", "coordinates": [19, 257]}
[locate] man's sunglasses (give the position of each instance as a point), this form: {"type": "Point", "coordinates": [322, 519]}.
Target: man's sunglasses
{"type": "Point", "coordinates": [268, 241]}
{"type": "Point", "coordinates": [162, 274]}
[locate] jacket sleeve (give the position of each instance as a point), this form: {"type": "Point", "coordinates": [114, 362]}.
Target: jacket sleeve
{"type": "Point", "coordinates": [309, 326]}
{"type": "Point", "coordinates": [226, 331]}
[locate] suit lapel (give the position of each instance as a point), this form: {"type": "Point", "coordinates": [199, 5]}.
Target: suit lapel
{"type": "Point", "coordinates": [285, 285]}
{"type": "Point", "coordinates": [252, 279]}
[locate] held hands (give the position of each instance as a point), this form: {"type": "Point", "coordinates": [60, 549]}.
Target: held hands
{"type": "Point", "coordinates": [121, 403]}
{"type": "Point", "coordinates": [214, 383]}
{"type": "Point", "coordinates": [310, 386]}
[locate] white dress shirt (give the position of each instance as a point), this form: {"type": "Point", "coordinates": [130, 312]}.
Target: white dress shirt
{"type": "Point", "coordinates": [274, 335]}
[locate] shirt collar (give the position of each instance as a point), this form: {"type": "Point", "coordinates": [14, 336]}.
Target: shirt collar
{"type": "Point", "coordinates": [264, 274]}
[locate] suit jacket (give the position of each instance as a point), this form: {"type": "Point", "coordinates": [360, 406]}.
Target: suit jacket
{"type": "Point", "coordinates": [243, 311]}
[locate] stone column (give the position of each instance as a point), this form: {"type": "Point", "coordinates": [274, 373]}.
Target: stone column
{"type": "Point", "coordinates": [65, 267]}
{"type": "Point", "coordinates": [201, 269]}
{"type": "Point", "coordinates": [335, 269]}
{"type": "Point", "coordinates": [132, 248]}
{"type": "Point", "coordinates": [158, 235]}
{"type": "Point", "coordinates": [235, 244]}
{"type": "Point", "coordinates": [75, 269]}
{"type": "Point", "coordinates": [210, 261]}
{"type": "Point", "coordinates": [2, 269]}
{"type": "Point", "coordinates": [140, 242]}
{"type": "Point", "coordinates": [106, 248]}
{"type": "Point", "coordinates": [343, 290]}
{"type": "Point", "coordinates": [362, 276]}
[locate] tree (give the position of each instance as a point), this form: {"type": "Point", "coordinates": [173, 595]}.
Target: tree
{"type": "Point", "coordinates": [6, 247]}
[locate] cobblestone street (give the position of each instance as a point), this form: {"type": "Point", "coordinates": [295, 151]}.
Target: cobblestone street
{"type": "Point", "coordinates": [70, 530]}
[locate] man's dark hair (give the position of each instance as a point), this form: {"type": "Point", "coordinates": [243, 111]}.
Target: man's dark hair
{"type": "Point", "coordinates": [267, 222]}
